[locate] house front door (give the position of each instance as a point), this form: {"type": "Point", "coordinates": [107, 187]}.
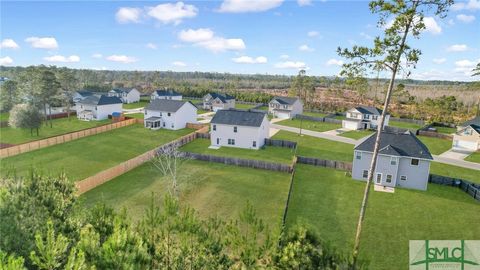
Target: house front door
{"type": "Point", "coordinates": [218, 141]}
{"type": "Point", "coordinates": [365, 126]}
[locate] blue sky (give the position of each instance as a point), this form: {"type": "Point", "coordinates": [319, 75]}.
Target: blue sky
{"type": "Point", "coordinates": [272, 36]}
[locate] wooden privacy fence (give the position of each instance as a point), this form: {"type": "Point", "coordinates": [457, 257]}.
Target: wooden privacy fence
{"type": "Point", "coordinates": [287, 203]}
{"type": "Point", "coordinates": [34, 145]}
{"type": "Point", "coordinates": [281, 143]}
{"type": "Point", "coordinates": [434, 134]}
{"type": "Point", "coordinates": [467, 186]}
{"type": "Point", "coordinates": [339, 165]}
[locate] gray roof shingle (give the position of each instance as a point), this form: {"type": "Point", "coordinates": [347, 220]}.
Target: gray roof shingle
{"type": "Point", "coordinates": [474, 121]}
{"type": "Point", "coordinates": [100, 100]}
{"type": "Point", "coordinates": [167, 93]}
{"type": "Point", "coordinates": [166, 105]}
{"type": "Point", "coordinates": [239, 117]}
{"type": "Point", "coordinates": [396, 144]}
{"type": "Point", "coordinates": [285, 100]}
{"type": "Point", "coordinates": [122, 90]}
{"type": "Point", "coordinates": [221, 97]}
{"type": "Point", "coordinates": [369, 110]}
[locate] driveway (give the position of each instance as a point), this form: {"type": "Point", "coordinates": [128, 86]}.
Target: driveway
{"type": "Point", "coordinates": [453, 154]}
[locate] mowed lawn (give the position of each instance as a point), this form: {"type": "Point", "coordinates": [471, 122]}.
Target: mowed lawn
{"type": "Point", "coordinates": [316, 147]}
{"type": "Point", "coordinates": [455, 172]}
{"type": "Point", "coordinates": [404, 125]}
{"type": "Point", "coordinates": [268, 153]}
{"type": "Point", "coordinates": [329, 201]}
{"type": "Point", "coordinates": [136, 115]}
{"type": "Point", "coordinates": [89, 155]}
{"type": "Point", "coordinates": [436, 146]}
{"type": "Point", "coordinates": [135, 105]}
{"type": "Point", "coordinates": [243, 106]}
{"type": "Point", "coordinates": [4, 116]}
{"type": "Point", "coordinates": [310, 125]}
{"type": "Point", "coordinates": [357, 134]}
{"type": "Point", "coordinates": [315, 114]}
{"type": "Point", "coordinates": [59, 126]}
{"type": "Point", "coordinates": [445, 130]}
{"type": "Point", "coordinates": [213, 189]}
{"type": "Point", "coordinates": [474, 157]}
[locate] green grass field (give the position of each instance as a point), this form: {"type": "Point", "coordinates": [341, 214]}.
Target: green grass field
{"type": "Point", "coordinates": [212, 189]}
{"type": "Point", "coordinates": [404, 125]}
{"type": "Point", "coordinates": [140, 104]}
{"type": "Point", "coordinates": [264, 108]}
{"type": "Point", "coordinates": [136, 115]}
{"type": "Point", "coordinates": [268, 153]}
{"type": "Point", "coordinates": [436, 146]}
{"type": "Point", "coordinates": [310, 125]}
{"type": "Point", "coordinates": [86, 156]}
{"type": "Point", "coordinates": [340, 117]}
{"type": "Point", "coordinates": [357, 134]}
{"type": "Point", "coordinates": [316, 147]}
{"type": "Point", "coordinates": [314, 114]}
{"type": "Point", "coordinates": [4, 116]}
{"type": "Point", "coordinates": [243, 106]}
{"type": "Point", "coordinates": [59, 126]}
{"type": "Point", "coordinates": [329, 201]}
{"type": "Point", "coordinates": [455, 172]}
{"type": "Point", "coordinates": [474, 157]}
{"type": "Point", "coordinates": [445, 130]}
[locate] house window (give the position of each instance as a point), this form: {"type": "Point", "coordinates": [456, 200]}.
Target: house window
{"type": "Point", "coordinates": [358, 155]}
{"type": "Point", "coordinates": [367, 116]}
{"type": "Point", "coordinates": [95, 108]}
{"type": "Point", "coordinates": [146, 112]}
{"type": "Point", "coordinates": [214, 127]}
{"type": "Point", "coordinates": [365, 174]}
{"type": "Point", "coordinates": [414, 161]}
{"type": "Point", "coordinates": [234, 129]}
{"type": "Point", "coordinates": [374, 117]}
{"type": "Point", "coordinates": [168, 114]}
{"type": "Point", "coordinates": [403, 177]}
{"type": "Point", "coordinates": [254, 144]}
{"type": "Point", "coordinates": [163, 124]}
{"type": "Point", "coordinates": [173, 126]}
{"type": "Point", "coordinates": [379, 178]}
{"type": "Point", "coordinates": [393, 161]}
{"type": "Point", "coordinates": [389, 178]}
{"type": "Point", "coordinates": [231, 141]}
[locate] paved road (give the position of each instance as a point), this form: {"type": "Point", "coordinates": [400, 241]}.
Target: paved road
{"type": "Point", "coordinates": [328, 135]}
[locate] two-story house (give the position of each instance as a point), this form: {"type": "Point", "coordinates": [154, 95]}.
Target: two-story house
{"type": "Point", "coordinates": [166, 94]}
{"type": "Point", "coordinates": [467, 137]}
{"type": "Point", "coordinates": [97, 107]}
{"type": "Point", "coordinates": [403, 160]}
{"type": "Point", "coordinates": [169, 114]}
{"type": "Point", "coordinates": [127, 95]}
{"type": "Point", "coordinates": [81, 94]}
{"type": "Point", "coordinates": [285, 107]}
{"type": "Point", "coordinates": [364, 117]}
{"type": "Point", "coordinates": [216, 101]}
{"type": "Point", "coordinates": [239, 128]}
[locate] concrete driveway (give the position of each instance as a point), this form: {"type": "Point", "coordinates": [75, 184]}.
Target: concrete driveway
{"type": "Point", "coordinates": [455, 154]}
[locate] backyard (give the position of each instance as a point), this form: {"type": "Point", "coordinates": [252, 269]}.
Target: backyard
{"type": "Point", "coordinates": [474, 157]}
{"type": "Point", "coordinates": [135, 105]}
{"type": "Point", "coordinates": [267, 153]}
{"type": "Point", "coordinates": [357, 134]}
{"type": "Point", "coordinates": [436, 146]}
{"type": "Point", "coordinates": [243, 106]}
{"type": "Point", "coordinates": [59, 126]}
{"type": "Point", "coordinates": [310, 125]}
{"type": "Point", "coordinates": [455, 172]}
{"type": "Point", "coordinates": [4, 116]}
{"type": "Point", "coordinates": [135, 115]}
{"type": "Point", "coordinates": [89, 155]}
{"type": "Point", "coordinates": [405, 125]}
{"type": "Point", "coordinates": [212, 189]}
{"type": "Point", "coordinates": [315, 114]}
{"type": "Point", "coordinates": [329, 201]}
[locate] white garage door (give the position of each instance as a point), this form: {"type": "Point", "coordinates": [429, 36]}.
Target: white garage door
{"type": "Point", "coordinates": [465, 145]}
{"type": "Point", "coordinates": [282, 115]}
{"type": "Point", "coordinates": [350, 125]}
{"type": "Point", "coordinates": [215, 109]}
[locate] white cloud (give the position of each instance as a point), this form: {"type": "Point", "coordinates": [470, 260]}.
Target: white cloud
{"type": "Point", "coordinates": [465, 18]}
{"type": "Point", "coordinates": [303, 3]}
{"type": "Point", "coordinates": [42, 43]}
{"type": "Point", "coordinates": [470, 5]}
{"type": "Point", "coordinates": [206, 38]}
{"type": "Point", "coordinates": [199, 35]}
{"type": "Point", "coordinates": [305, 48]}
{"type": "Point", "coordinates": [9, 44]}
{"type": "Point", "coordinates": [439, 60]}
{"type": "Point", "coordinates": [284, 56]}
{"type": "Point", "coordinates": [128, 14]}
{"type": "Point", "coordinates": [6, 61]}
{"type": "Point", "coordinates": [312, 33]}
{"type": "Point", "coordinates": [334, 62]}
{"type": "Point", "coordinates": [62, 59]}
{"type": "Point", "coordinates": [172, 13]}
{"type": "Point", "coordinates": [97, 55]}
{"type": "Point", "coordinates": [179, 64]}
{"type": "Point", "coordinates": [122, 59]}
{"type": "Point", "coordinates": [239, 6]}
{"type": "Point", "coordinates": [457, 48]}
{"type": "Point", "coordinates": [291, 65]}
{"type": "Point", "coordinates": [250, 60]}
{"type": "Point", "coordinates": [465, 64]}
{"type": "Point", "coordinates": [151, 46]}
{"type": "Point", "coordinates": [366, 36]}
{"type": "Point", "coordinates": [431, 26]}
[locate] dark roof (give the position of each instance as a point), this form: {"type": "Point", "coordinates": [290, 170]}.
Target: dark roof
{"type": "Point", "coordinates": [85, 93]}
{"type": "Point", "coordinates": [166, 105]}
{"type": "Point", "coordinates": [122, 90]}
{"type": "Point", "coordinates": [474, 121]}
{"type": "Point", "coordinates": [369, 110]}
{"type": "Point", "coordinates": [167, 93]}
{"type": "Point", "coordinates": [285, 100]}
{"type": "Point", "coordinates": [222, 97]}
{"type": "Point", "coordinates": [396, 144]}
{"type": "Point", "coordinates": [100, 100]}
{"type": "Point", "coordinates": [239, 117]}
{"type": "Point", "coordinates": [475, 127]}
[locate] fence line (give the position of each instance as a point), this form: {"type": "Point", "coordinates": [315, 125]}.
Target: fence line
{"type": "Point", "coordinates": [281, 143]}
{"type": "Point", "coordinates": [335, 164]}
{"type": "Point", "coordinates": [42, 143]}
{"type": "Point", "coordinates": [407, 120]}
{"type": "Point", "coordinates": [467, 186]}
{"type": "Point", "coordinates": [434, 134]}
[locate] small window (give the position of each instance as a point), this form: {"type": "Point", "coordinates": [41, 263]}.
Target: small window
{"type": "Point", "coordinates": [168, 114]}
{"type": "Point", "coordinates": [403, 177]}
{"type": "Point", "coordinates": [367, 116]}
{"type": "Point", "coordinates": [365, 174]}
{"type": "Point", "coordinates": [379, 178]}
{"type": "Point", "coordinates": [414, 162]}
{"type": "Point", "coordinates": [214, 127]}
{"type": "Point", "coordinates": [393, 161]}
{"type": "Point", "coordinates": [389, 178]}
{"type": "Point", "coordinates": [254, 144]}
{"type": "Point", "coordinates": [358, 155]}
{"type": "Point", "coordinates": [163, 124]}
{"type": "Point", "coordinates": [234, 129]}
{"type": "Point", "coordinates": [374, 117]}
{"type": "Point", "coordinates": [233, 141]}
{"type": "Point", "coordinates": [146, 112]}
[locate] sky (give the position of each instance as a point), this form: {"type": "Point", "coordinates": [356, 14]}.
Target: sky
{"type": "Point", "coordinates": [235, 36]}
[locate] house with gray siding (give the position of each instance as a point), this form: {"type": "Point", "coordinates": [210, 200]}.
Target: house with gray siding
{"type": "Point", "coordinates": [166, 94]}
{"type": "Point", "coordinates": [239, 128]}
{"type": "Point", "coordinates": [285, 107]}
{"type": "Point", "coordinates": [97, 107]}
{"type": "Point", "coordinates": [216, 101]}
{"type": "Point", "coordinates": [403, 160]}
{"type": "Point", "coordinates": [127, 95]}
{"type": "Point", "coordinates": [467, 137]}
{"type": "Point", "coordinates": [364, 117]}
{"type": "Point", "coordinates": [169, 114]}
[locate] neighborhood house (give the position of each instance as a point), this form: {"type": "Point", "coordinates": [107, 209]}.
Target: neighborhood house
{"type": "Point", "coordinates": [97, 107]}
{"type": "Point", "coordinates": [166, 94]}
{"type": "Point", "coordinates": [239, 128]}
{"type": "Point", "coordinates": [467, 137]}
{"type": "Point", "coordinates": [81, 94]}
{"type": "Point", "coordinates": [127, 95]}
{"type": "Point", "coordinates": [403, 160]}
{"type": "Point", "coordinates": [169, 114]}
{"type": "Point", "coordinates": [216, 101]}
{"type": "Point", "coordinates": [285, 107]}
{"type": "Point", "coordinates": [364, 117]}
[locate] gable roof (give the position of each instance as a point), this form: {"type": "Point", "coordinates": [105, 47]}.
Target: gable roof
{"type": "Point", "coordinates": [166, 105]}
{"type": "Point", "coordinates": [239, 117]}
{"type": "Point", "coordinates": [285, 100]}
{"type": "Point", "coordinates": [473, 126]}
{"type": "Point", "coordinates": [100, 100]}
{"type": "Point", "coordinates": [221, 97]}
{"type": "Point", "coordinates": [166, 92]}
{"type": "Point", "coordinates": [85, 93]}
{"type": "Point", "coordinates": [403, 144]}
{"type": "Point", "coordinates": [474, 121]}
{"type": "Point", "coordinates": [122, 90]}
{"type": "Point", "coordinates": [369, 110]}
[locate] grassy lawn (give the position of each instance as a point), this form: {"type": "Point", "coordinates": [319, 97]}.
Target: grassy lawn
{"type": "Point", "coordinates": [340, 117]}
{"type": "Point", "coordinates": [268, 153]}
{"type": "Point", "coordinates": [455, 172]}
{"type": "Point", "coordinates": [243, 106]}
{"type": "Point", "coordinates": [316, 147]}
{"type": "Point", "coordinates": [329, 201]}
{"type": "Point", "coordinates": [310, 125]}
{"type": "Point", "coordinates": [136, 115]}
{"type": "Point", "coordinates": [445, 130]}
{"type": "Point", "coordinates": [356, 134]}
{"type": "Point", "coordinates": [213, 189]}
{"type": "Point", "coordinates": [60, 126]}
{"type": "Point", "coordinates": [404, 125]}
{"type": "Point", "coordinates": [474, 157]}
{"type": "Point", "coordinates": [4, 116]}
{"type": "Point", "coordinates": [436, 145]}
{"type": "Point", "coordinates": [264, 108]}
{"type": "Point", "coordinates": [315, 114]}
{"type": "Point", "coordinates": [86, 156]}
{"type": "Point", "coordinates": [140, 104]}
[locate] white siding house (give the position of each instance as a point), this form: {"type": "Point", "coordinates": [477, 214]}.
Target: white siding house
{"type": "Point", "coordinates": [98, 107]}
{"type": "Point", "coordinates": [403, 161]}
{"type": "Point", "coordinates": [285, 107]}
{"type": "Point", "coordinates": [216, 101]}
{"type": "Point", "coordinates": [364, 117]}
{"type": "Point", "coordinates": [127, 95]}
{"type": "Point", "coordinates": [169, 114]}
{"type": "Point", "coordinates": [239, 128]}
{"type": "Point", "coordinates": [81, 94]}
{"type": "Point", "coordinates": [166, 94]}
